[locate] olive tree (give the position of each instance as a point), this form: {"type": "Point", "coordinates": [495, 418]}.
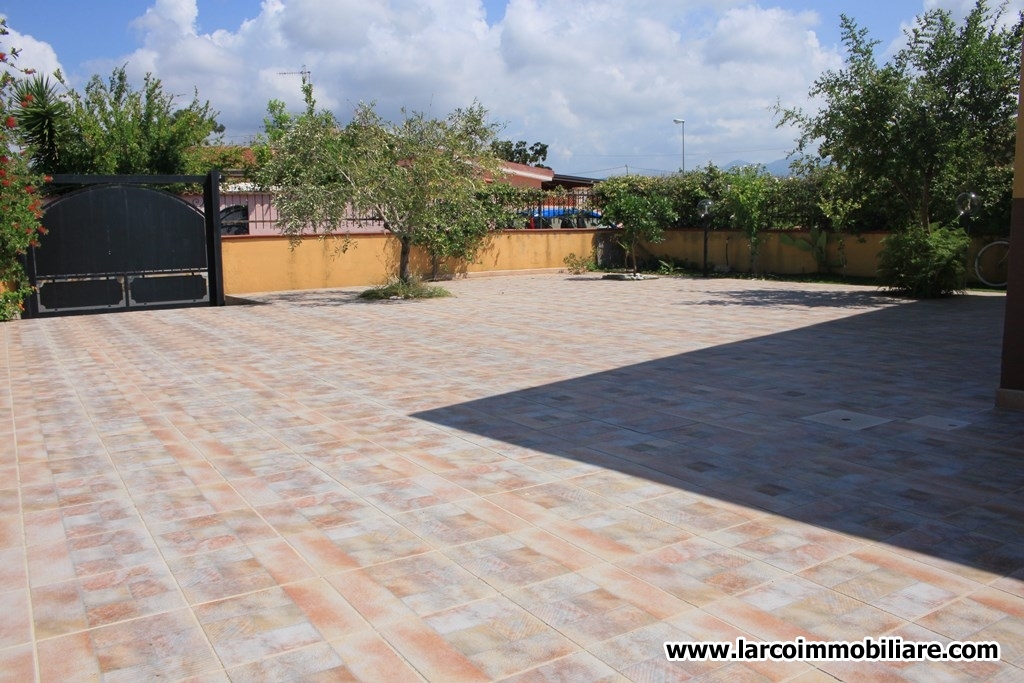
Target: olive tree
{"type": "Point", "coordinates": [422, 177]}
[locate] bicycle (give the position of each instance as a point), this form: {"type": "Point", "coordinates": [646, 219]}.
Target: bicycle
{"type": "Point", "coordinates": [992, 263]}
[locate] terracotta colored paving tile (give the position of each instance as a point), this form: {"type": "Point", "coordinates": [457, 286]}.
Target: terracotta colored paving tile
{"type": "Point", "coordinates": [17, 664]}
{"type": "Point", "coordinates": [248, 627]}
{"type": "Point", "coordinates": [104, 517]}
{"type": "Point", "coordinates": [280, 486]}
{"type": "Point", "coordinates": [16, 626]}
{"type": "Point", "coordinates": [45, 526]}
{"type": "Point", "coordinates": [109, 551]}
{"type": "Point", "coordinates": [167, 645]}
{"type": "Point", "coordinates": [640, 655]}
{"type": "Point", "coordinates": [634, 530]}
{"type": "Point", "coordinates": [103, 599]}
{"type": "Point", "coordinates": [462, 522]}
{"type": "Point", "coordinates": [494, 477]}
{"type": "Point", "coordinates": [431, 654]}
{"type": "Point", "coordinates": [167, 477]}
{"type": "Point", "coordinates": [13, 572]}
{"type": "Point", "coordinates": [580, 666]}
{"type": "Point", "coordinates": [49, 563]}
{"type": "Point", "coordinates": [560, 500]}
{"type": "Point", "coordinates": [316, 512]}
{"type": "Point", "coordinates": [366, 469]}
{"type": "Point", "coordinates": [698, 571]}
{"type": "Point", "coordinates": [374, 601]}
{"type": "Point", "coordinates": [69, 658]}
{"type": "Point", "coordinates": [596, 605]}
{"type": "Point", "coordinates": [836, 571]}
{"type": "Point", "coordinates": [360, 544]}
{"type": "Point", "coordinates": [497, 635]}
{"type": "Point", "coordinates": [11, 532]}
{"type": "Point", "coordinates": [698, 516]}
{"type": "Point", "coordinates": [415, 493]}
{"type": "Point", "coordinates": [238, 569]}
{"type": "Point", "coordinates": [318, 662]}
{"type": "Point", "coordinates": [428, 583]}
{"type": "Point", "coordinates": [961, 619]}
{"type": "Point", "coordinates": [201, 534]}
{"type": "Point", "coordinates": [521, 558]}
{"type": "Point", "coordinates": [166, 506]}
{"type": "Point", "coordinates": [759, 623]}
{"type": "Point", "coordinates": [72, 491]}
{"type": "Point", "coordinates": [1009, 633]}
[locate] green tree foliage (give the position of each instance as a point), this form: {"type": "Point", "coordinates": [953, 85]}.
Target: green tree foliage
{"type": "Point", "coordinates": [43, 119]}
{"type": "Point", "coordinates": [461, 235]}
{"type": "Point", "coordinates": [639, 205]}
{"type": "Point", "coordinates": [686, 190]}
{"type": "Point", "coordinates": [924, 263]}
{"type": "Point", "coordinates": [748, 200]}
{"type": "Point", "coordinates": [519, 153]}
{"type": "Point", "coordinates": [935, 120]}
{"type": "Point", "coordinates": [112, 128]}
{"type": "Point", "coordinates": [301, 160]}
{"type": "Point", "coordinates": [20, 207]}
{"type": "Point", "coordinates": [424, 178]}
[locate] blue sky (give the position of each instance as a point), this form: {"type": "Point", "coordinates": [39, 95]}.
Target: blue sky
{"type": "Point", "coordinates": [598, 80]}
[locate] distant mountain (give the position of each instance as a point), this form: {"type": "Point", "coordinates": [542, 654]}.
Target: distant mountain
{"type": "Point", "coordinates": [779, 167]}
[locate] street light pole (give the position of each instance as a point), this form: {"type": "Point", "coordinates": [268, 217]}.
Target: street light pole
{"type": "Point", "coordinates": [682, 137]}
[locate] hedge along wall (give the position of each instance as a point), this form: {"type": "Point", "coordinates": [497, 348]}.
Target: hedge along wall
{"type": "Point", "coordinates": [266, 263]}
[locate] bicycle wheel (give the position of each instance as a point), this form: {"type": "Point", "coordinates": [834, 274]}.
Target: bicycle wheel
{"type": "Point", "coordinates": [992, 262]}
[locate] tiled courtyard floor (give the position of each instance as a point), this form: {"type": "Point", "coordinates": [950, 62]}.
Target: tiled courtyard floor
{"type": "Point", "coordinates": [542, 479]}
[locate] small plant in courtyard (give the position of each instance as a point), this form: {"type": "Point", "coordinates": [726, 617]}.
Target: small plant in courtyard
{"type": "Point", "coordinates": [578, 265]}
{"type": "Point", "coordinates": [413, 288]}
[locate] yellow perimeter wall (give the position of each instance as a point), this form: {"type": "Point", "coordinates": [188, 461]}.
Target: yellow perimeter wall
{"type": "Point", "coordinates": [268, 264]}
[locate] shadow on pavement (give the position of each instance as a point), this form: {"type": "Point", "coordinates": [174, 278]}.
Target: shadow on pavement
{"type": "Point", "coordinates": [879, 425]}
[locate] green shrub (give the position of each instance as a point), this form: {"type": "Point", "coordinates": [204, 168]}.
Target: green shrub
{"type": "Point", "coordinates": [924, 264]}
{"type": "Point", "coordinates": [404, 289]}
{"type": "Point", "coordinates": [577, 265]}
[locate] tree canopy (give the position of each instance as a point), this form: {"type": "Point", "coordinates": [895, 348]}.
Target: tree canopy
{"type": "Point", "coordinates": [519, 153]}
{"type": "Point", "coordinates": [113, 128]}
{"type": "Point", "coordinates": [935, 120]}
{"type": "Point", "coordinates": [639, 207]}
{"type": "Point", "coordinates": [425, 178]}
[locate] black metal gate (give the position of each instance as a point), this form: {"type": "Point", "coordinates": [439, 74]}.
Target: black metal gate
{"type": "Point", "coordinates": [117, 243]}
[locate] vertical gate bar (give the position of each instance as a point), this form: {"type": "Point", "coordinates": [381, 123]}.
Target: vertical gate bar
{"type": "Point", "coordinates": [211, 204]}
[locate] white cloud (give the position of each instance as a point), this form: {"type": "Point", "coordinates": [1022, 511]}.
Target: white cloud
{"type": "Point", "coordinates": [598, 80]}
{"type": "Point", "coordinates": [33, 54]}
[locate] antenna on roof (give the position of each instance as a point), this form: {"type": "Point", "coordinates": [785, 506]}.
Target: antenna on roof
{"type": "Point", "coordinates": [306, 74]}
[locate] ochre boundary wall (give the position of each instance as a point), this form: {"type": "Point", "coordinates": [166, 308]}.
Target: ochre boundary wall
{"type": "Point", "coordinates": [269, 264]}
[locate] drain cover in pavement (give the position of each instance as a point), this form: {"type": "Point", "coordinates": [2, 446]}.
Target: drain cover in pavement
{"type": "Point", "coordinates": [847, 419]}
{"type": "Point", "coordinates": [934, 422]}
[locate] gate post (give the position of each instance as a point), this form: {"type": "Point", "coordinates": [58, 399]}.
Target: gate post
{"type": "Point", "coordinates": [211, 206]}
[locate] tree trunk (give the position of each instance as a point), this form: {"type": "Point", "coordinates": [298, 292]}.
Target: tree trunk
{"type": "Point", "coordinates": [403, 258]}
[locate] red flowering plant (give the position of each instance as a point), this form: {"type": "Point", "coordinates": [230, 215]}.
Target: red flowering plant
{"type": "Point", "coordinates": [20, 205]}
